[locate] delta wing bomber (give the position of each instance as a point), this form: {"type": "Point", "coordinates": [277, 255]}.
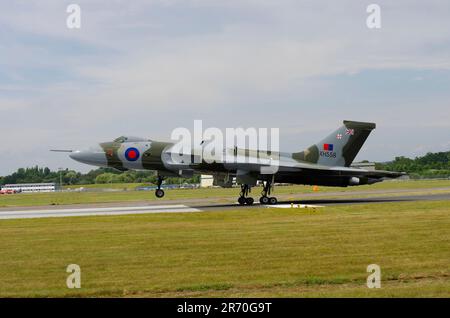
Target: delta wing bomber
{"type": "Point", "coordinates": [326, 163]}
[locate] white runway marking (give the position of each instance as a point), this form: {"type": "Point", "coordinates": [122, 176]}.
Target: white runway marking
{"type": "Point", "coordinates": [294, 206]}
{"type": "Point", "coordinates": [28, 214]}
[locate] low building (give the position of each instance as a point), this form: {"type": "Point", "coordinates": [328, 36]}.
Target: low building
{"type": "Point", "coordinates": [206, 181]}
{"type": "Point", "coordinates": [364, 165]}
{"type": "Point", "coordinates": [32, 187]}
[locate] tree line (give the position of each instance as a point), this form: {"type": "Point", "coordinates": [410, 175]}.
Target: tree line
{"type": "Point", "coordinates": [432, 165]}
{"type": "Point", "coordinates": [97, 176]}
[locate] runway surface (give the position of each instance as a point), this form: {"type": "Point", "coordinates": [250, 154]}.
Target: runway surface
{"type": "Point", "coordinates": [204, 205]}
{"type": "Point", "coordinates": [64, 212]}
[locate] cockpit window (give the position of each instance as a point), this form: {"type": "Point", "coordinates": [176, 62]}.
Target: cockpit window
{"type": "Point", "coordinates": [123, 139]}
{"type": "Point", "coordinates": [120, 139]}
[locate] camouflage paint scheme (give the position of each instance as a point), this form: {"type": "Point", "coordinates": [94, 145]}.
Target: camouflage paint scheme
{"type": "Point", "coordinates": [324, 163]}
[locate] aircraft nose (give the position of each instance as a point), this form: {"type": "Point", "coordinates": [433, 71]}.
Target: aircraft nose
{"type": "Point", "coordinates": [92, 156]}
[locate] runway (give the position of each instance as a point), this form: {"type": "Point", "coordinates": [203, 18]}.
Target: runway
{"type": "Point", "coordinates": [383, 199]}
{"type": "Point", "coordinates": [209, 205]}
{"type": "Point", "coordinates": [65, 212]}
{"type": "Point", "coordinates": [340, 201]}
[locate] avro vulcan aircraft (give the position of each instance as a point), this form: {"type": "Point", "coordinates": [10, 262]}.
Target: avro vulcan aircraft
{"type": "Point", "coordinates": [326, 163]}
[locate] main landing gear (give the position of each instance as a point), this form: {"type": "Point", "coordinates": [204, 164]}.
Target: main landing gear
{"type": "Point", "coordinates": [159, 192]}
{"type": "Point", "coordinates": [264, 194]}
{"type": "Point", "coordinates": [243, 199]}
{"type": "Point", "coordinates": [245, 189]}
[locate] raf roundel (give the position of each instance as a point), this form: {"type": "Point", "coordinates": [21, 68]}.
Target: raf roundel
{"type": "Point", "coordinates": [132, 154]}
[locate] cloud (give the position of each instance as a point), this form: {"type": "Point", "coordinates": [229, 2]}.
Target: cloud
{"type": "Point", "coordinates": [146, 67]}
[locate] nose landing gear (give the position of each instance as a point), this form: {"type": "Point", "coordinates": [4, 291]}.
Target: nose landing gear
{"type": "Point", "coordinates": [243, 199]}
{"type": "Point", "coordinates": [159, 193]}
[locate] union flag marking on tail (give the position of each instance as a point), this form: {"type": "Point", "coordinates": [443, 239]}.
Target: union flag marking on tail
{"type": "Point", "coordinates": [350, 132]}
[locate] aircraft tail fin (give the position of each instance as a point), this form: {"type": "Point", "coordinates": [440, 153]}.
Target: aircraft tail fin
{"type": "Point", "coordinates": [340, 147]}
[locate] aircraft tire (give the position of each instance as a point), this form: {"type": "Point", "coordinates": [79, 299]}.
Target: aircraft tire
{"type": "Point", "coordinates": [264, 200]}
{"type": "Point", "coordinates": [273, 200]}
{"type": "Point", "coordinates": [159, 193]}
{"type": "Point", "coordinates": [249, 201]}
{"type": "Point", "coordinates": [241, 200]}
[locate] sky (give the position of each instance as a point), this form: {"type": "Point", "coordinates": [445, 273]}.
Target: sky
{"type": "Point", "coordinates": [144, 68]}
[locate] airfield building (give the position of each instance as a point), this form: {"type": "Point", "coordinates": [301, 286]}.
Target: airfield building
{"type": "Point", "coordinates": [206, 181]}
{"type": "Point", "coordinates": [32, 187]}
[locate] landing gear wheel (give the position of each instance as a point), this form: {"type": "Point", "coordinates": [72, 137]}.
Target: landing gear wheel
{"type": "Point", "coordinates": [242, 200]}
{"type": "Point", "coordinates": [273, 200]}
{"type": "Point", "coordinates": [264, 200]}
{"type": "Point", "coordinates": [159, 193]}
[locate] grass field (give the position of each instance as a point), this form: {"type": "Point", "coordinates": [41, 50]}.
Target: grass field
{"type": "Point", "coordinates": [61, 198]}
{"type": "Point", "coordinates": [243, 252]}
{"type": "Point", "coordinates": [115, 186]}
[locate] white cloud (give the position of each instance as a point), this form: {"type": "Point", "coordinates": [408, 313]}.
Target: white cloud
{"type": "Point", "coordinates": [147, 66]}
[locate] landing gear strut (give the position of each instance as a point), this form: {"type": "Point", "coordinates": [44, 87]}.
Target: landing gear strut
{"type": "Point", "coordinates": [243, 199]}
{"type": "Point", "coordinates": [264, 194]}
{"type": "Point", "coordinates": [159, 192]}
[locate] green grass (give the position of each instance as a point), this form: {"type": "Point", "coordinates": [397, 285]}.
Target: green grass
{"type": "Point", "coordinates": [61, 198]}
{"type": "Point", "coordinates": [243, 252]}
{"type": "Point", "coordinates": [115, 186]}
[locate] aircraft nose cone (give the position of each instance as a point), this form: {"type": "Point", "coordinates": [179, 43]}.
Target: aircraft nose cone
{"type": "Point", "coordinates": [92, 156]}
{"type": "Point", "coordinates": [79, 155]}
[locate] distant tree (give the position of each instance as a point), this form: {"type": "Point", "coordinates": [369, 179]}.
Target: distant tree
{"type": "Point", "coordinates": [432, 165]}
{"type": "Point", "coordinates": [70, 177]}
{"type": "Point", "coordinates": [104, 178]}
